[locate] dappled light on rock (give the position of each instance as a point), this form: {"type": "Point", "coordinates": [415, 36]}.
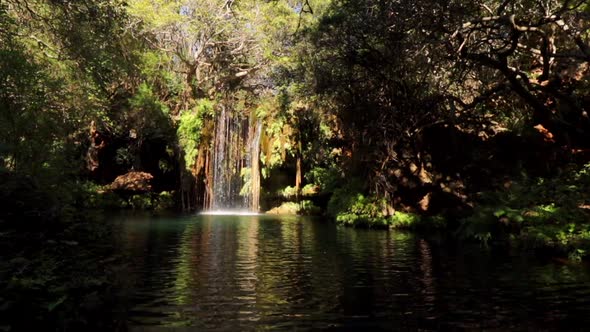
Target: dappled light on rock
{"type": "Point", "coordinates": [133, 181]}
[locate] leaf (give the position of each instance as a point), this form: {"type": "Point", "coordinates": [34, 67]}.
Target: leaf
{"type": "Point", "coordinates": [518, 218]}
{"type": "Point", "coordinates": [500, 213]}
{"type": "Point", "coordinates": [54, 305]}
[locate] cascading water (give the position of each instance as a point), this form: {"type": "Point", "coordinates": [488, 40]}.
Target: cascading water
{"type": "Point", "coordinates": [255, 167]}
{"type": "Point", "coordinates": [235, 147]}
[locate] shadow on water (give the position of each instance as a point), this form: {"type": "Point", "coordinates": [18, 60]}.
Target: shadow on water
{"type": "Point", "coordinates": [213, 272]}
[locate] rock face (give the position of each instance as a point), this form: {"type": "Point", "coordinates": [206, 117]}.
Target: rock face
{"type": "Point", "coordinates": [97, 143]}
{"type": "Point", "coordinates": [133, 182]}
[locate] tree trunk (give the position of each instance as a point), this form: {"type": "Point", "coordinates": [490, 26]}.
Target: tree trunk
{"type": "Point", "coordinates": [298, 176]}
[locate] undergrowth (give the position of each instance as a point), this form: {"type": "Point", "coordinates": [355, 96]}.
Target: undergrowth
{"type": "Point", "coordinates": [539, 213]}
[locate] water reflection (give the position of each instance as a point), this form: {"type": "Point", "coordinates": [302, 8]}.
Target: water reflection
{"type": "Point", "coordinates": [259, 272]}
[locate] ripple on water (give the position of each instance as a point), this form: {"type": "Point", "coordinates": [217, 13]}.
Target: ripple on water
{"type": "Point", "coordinates": [220, 272]}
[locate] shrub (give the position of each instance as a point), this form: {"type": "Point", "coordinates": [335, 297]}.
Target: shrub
{"type": "Point", "coordinates": [165, 201]}
{"type": "Point", "coordinates": [349, 207]}
{"type": "Point", "coordinates": [544, 213]}
{"type": "Point", "coordinates": [293, 208]}
{"type": "Point", "coordinates": [404, 220]}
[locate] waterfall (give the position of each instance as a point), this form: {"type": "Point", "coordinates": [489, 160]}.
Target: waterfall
{"type": "Point", "coordinates": [235, 147]}
{"type": "Point", "coordinates": [255, 167]}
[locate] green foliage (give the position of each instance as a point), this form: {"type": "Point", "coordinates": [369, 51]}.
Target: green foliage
{"type": "Point", "coordinates": [327, 179]}
{"type": "Point", "coordinates": [25, 104]}
{"type": "Point", "coordinates": [307, 207]}
{"type": "Point", "coordinates": [362, 211]}
{"type": "Point", "coordinates": [124, 156]}
{"type": "Point", "coordinates": [54, 255]}
{"type": "Point", "coordinates": [416, 222]}
{"type": "Point", "coordinates": [309, 190]}
{"type": "Point", "coordinates": [349, 207]}
{"type": "Point", "coordinates": [287, 192]}
{"type": "Point", "coordinates": [286, 208]}
{"type": "Point", "coordinates": [145, 100]}
{"type": "Point", "coordinates": [246, 175]}
{"type": "Point", "coordinates": [542, 212]}
{"type": "Point", "coordinates": [344, 197]}
{"type": "Point", "coordinates": [141, 202]}
{"type": "Point", "coordinates": [190, 129]}
{"type": "Point", "coordinates": [405, 220]}
{"type": "Point", "coordinates": [165, 201]}
{"type": "Point", "coordinates": [304, 207]}
{"type": "Point", "coordinates": [59, 282]}
{"type": "Point", "coordinates": [98, 198]}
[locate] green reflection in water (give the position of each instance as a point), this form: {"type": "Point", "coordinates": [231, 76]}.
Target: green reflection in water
{"type": "Point", "coordinates": [187, 260]}
{"type": "Point", "coordinates": [245, 267]}
{"type": "Point", "coordinates": [258, 273]}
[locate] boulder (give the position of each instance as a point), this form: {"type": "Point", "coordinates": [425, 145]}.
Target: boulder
{"type": "Point", "coordinates": [137, 182]}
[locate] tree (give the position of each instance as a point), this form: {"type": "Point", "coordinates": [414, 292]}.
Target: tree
{"type": "Point", "coordinates": [64, 65]}
{"type": "Point", "coordinates": [537, 50]}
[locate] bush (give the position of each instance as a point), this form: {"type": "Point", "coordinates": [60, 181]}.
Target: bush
{"type": "Point", "coordinates": [286, 208]}
{"type": "Point", "coordinates": [291, 192]}
{"type": "Point", "coordinates": [541, 213]}
{"type": "Point", "coordinates": [141, 202]}
{"type": "Point", "coordinates": [56, 258]}
{"type": "Point", "coordinates": [363, 211]}
{"type": "Point", "coordinates": [165, 201]}
{"type": "Point", "coordinates": [309, 208]}
{"type": "Point", "coordinates": [325, 179]}
{"type": "Point", "coordinates": [405, 220]}
{"type": "Point", "coordinates": [293, 208]}
{"type": "Point", "coordinates": [348, 206]}
{"type": "Point", "coordinates": [287, 192]}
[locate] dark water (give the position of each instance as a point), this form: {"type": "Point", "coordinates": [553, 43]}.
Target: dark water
{"type": "Point", "coordinates": [204, 273]}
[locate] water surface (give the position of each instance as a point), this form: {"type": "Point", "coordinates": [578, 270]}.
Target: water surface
{"type": "Point", "coordinates": [241, 273]}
